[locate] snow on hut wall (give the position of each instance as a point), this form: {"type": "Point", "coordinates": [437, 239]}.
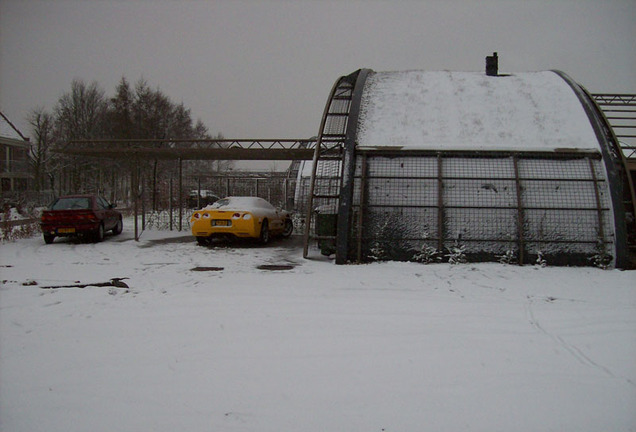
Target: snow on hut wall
{"type": "Point", "coordinates": [489, 206]}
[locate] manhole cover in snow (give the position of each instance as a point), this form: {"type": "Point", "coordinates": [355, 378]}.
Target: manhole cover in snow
{"type": "Point", "coordinates": [275, 267]}
{"type": "Point", "coordinates": [202, 269]}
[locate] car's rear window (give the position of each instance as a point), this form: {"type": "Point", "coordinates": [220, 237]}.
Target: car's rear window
{"type": "Point", "coordinates": [241, 203]}
{"type": "Point", "coordinates": [71, 203]}
{"type": "Point", "coordinates": [220, 203]}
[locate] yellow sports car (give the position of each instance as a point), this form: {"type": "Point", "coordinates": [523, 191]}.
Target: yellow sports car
{"type": "Point", "coordinates": [242, 217]}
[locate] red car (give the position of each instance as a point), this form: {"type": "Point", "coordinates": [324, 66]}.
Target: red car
{"type": "Point", "coordinates": [80, 215]}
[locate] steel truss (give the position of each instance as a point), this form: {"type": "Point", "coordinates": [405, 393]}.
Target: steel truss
{"type": "Point", "coordinates": [620, 111]}
{"type": "Point", "coordinates": [194, 149]}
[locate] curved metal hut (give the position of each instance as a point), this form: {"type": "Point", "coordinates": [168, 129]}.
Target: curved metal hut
{"type": "Point", "coordinates": [419, 165]}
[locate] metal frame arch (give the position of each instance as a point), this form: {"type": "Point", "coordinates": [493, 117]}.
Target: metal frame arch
{"type": "Point", "coordinates": [345, 204]}
{"type": "Point", "coordinates": [336, 139]}
{"type": "Point", "coordinates": [317, 152]}
{"type": "Point", "coordinates": [616, 168]}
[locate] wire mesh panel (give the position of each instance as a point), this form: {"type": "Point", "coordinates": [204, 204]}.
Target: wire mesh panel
{"type": "Point", "coordinates": [401, 192]}
{"type": "Point", "coordinates": [559, 194]}
{"type": "Point", "coordinates": [482, 205]}
{"type": "Point", "coordinates": [485, 192]}
{"type": "Point", "coordinates": [396, 203]}
{"type": "Point", "coordinates": [335, 125]}
{"type": "Point", "coordinates": [401, 167]}
{"type": "Point", "coordinates": [301, 198]}
{"type": "Point", "coordinates": [464, 167]}
{"type": "Point", "coordinates": [567, 209]}
{"type": "Point", "coordinates": [553, 227]}
{"type": "Point", "coordinates": [480, 230]}
{"type": "Point", "coordinates": [569, 169]}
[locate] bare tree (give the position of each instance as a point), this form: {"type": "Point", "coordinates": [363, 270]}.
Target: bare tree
{"type": "Point", "coordinates": [43, 125]}
{"type": "Point", "coordinates": [81, 115]}
{"type": "Point", "coordinates": [133, 112]}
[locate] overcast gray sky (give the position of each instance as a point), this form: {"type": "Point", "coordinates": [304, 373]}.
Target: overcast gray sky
{"type": "Point", "coordinates": [263, 69]}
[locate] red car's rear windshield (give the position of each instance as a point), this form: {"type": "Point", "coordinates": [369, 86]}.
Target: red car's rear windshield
{"type": "Point", "coordinates": [72, 204]}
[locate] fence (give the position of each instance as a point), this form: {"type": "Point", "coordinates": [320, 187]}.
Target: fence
{"type": "Point", "coordinates": [165, 193]}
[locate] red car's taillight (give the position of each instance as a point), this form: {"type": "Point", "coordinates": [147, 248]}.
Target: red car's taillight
{"type": "Point", "coordinates": [85, 217]}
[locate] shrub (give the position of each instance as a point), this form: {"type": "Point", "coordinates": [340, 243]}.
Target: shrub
{"type": "Point", "coordinates": [427, 255]}
{"type": "Point", "coordinates": [457, 254]}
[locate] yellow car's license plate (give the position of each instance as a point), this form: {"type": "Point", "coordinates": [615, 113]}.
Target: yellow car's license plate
{"type": "Point", "coordinates": [65, 230]}
{"type": "Point", "coordinates": [224, 223]}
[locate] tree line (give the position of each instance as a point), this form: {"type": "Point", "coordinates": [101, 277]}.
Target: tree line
{"type": "Point", "coordinates": [86, 113]}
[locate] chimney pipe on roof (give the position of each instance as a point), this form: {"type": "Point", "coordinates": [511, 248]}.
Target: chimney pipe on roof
{"type": "Point", "coordinates": [492, 65]}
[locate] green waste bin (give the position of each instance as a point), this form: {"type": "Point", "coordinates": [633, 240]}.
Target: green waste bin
{"type": "Point", "coordinates": [326, 225]}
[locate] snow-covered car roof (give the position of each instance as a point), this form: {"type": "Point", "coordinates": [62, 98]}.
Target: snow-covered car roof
{"type": "Point", "coordinates": [423, 110]}
{"type": "Point", "coordinates": [240, 203]}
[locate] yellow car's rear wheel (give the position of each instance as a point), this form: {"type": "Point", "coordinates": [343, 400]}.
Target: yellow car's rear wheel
{"type": "Point", "coordinates": [264, 238]}
{"type": "Point", "coordinates": [289, 228]}
{"type": "Point", "coordinates": [203, 241]}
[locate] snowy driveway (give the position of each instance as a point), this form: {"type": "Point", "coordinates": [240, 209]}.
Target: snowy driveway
{"type": "Point", "coordinates": [318, 347]}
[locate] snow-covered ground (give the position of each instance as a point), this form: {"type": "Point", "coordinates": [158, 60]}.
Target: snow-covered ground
{"type": "Point", "coordinates": [318, 347]}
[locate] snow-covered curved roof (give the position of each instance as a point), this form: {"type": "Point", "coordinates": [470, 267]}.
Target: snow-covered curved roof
{"type": "Point", "coordinates": [534, 111]}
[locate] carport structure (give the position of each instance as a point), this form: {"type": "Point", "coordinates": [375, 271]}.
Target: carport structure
{"type": "Point", "coordinates": [194, 149]}
{"type": "Point", "coordinates": [134, 151]}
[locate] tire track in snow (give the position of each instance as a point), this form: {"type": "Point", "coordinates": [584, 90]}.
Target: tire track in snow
{"type": "Point", "coordinates": [573, 350]}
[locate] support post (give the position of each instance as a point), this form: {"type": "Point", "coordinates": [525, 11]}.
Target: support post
{"type": "Point", "coordinates": [198, 192]}
{"type": "Point", "coordinates": [440, 205]}
{"type": "Point", "coordinates": [134, 187]}
{"type": "Point", "coordinates": [143, 206]}
{"type": "Point", "coordinates": [599, 207]}
{"type": "Point", "coordinates": [285, 187]}
{"type": "Point", "coordinates": [520, 217]}
{"type": "Point", "coordinates": [180, 192]}
{"type": "Point", "coordinates": [362, 209]}
{"type": "Point", "coordinates": [170, 205]}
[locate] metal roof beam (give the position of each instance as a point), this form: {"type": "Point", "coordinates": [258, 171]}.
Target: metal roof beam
{"type": "Point", "coordinates": [194, 149]}
{"type": "Point", "coordinates": [194, 154]}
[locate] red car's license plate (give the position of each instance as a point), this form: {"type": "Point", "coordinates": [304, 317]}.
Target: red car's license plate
{"type": "Point", "coordinates": [224, 223]}
{"type": "Point", "coordinates": [65, 230]}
